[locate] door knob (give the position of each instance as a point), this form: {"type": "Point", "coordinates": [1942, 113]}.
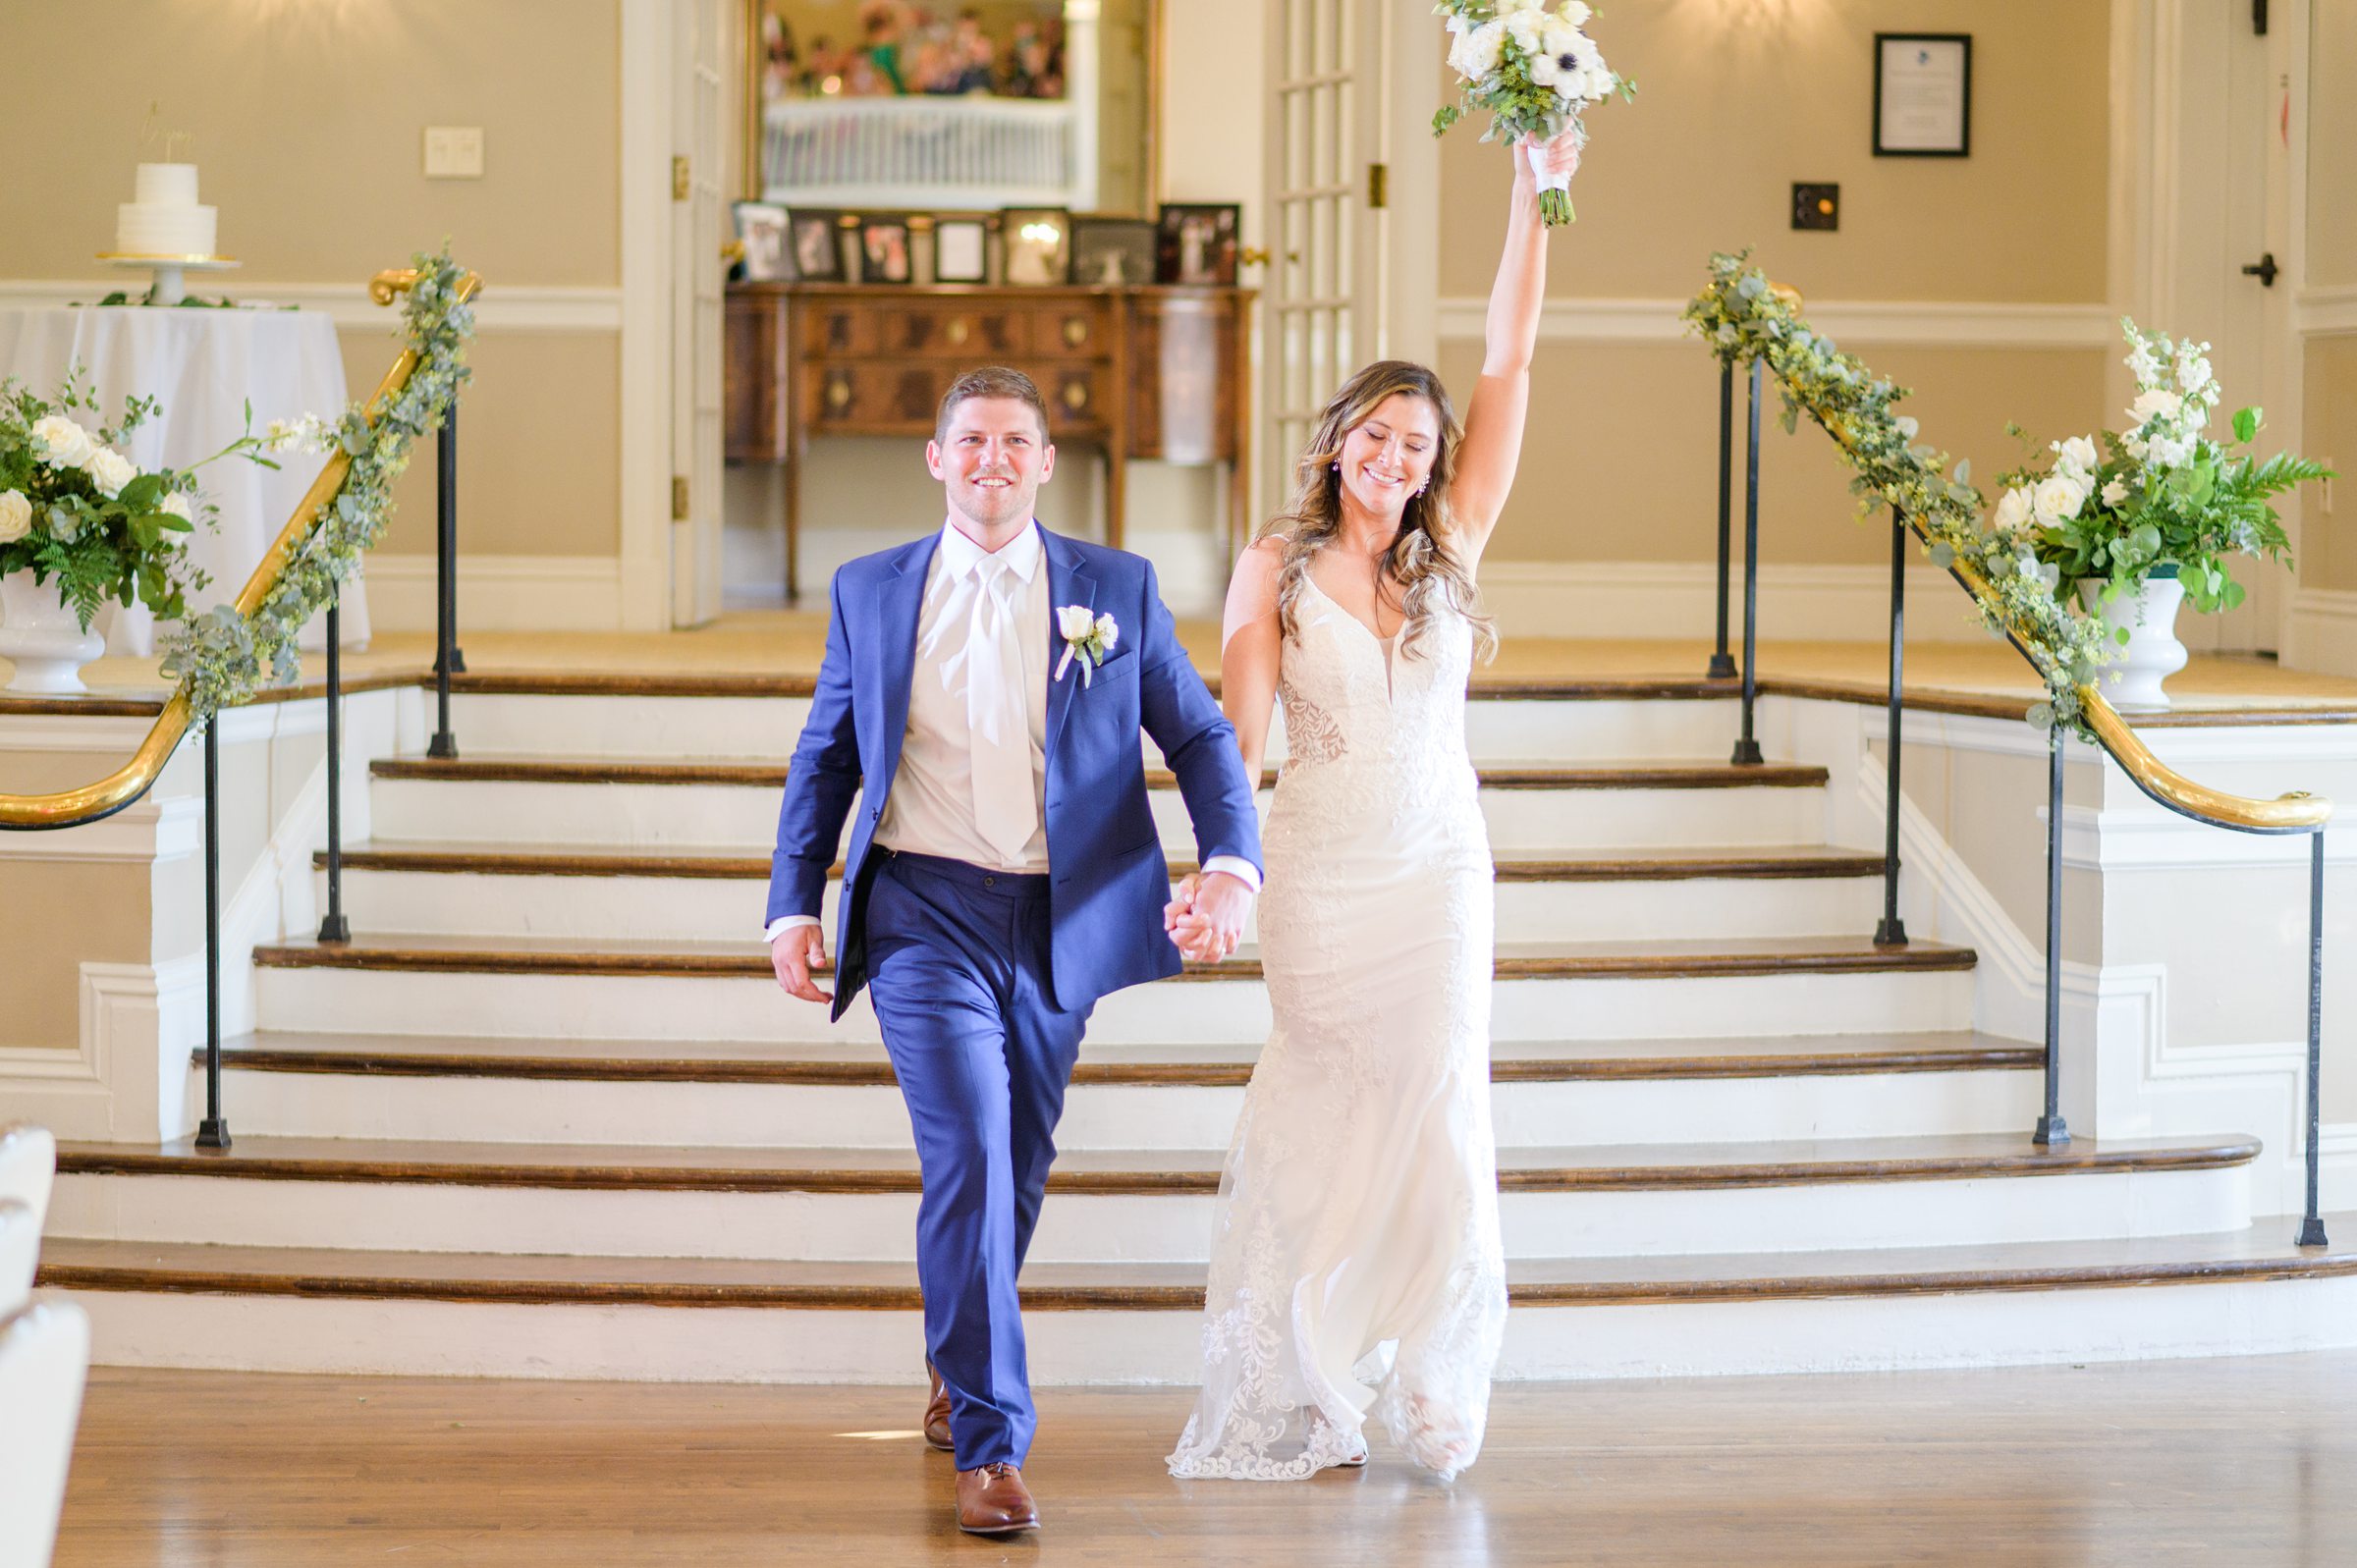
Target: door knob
{"type": "Point", "coordinates": [2264, 269]}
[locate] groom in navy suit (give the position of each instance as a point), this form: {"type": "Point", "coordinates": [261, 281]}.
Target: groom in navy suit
{"type": "Point", "coordinates": [982, 695]}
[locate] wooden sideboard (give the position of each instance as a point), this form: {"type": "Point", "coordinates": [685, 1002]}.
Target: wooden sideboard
{"type": "Point", "coordinates": [1148, 373]}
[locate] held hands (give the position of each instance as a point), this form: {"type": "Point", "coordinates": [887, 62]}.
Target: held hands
{"type": "Point", "coordinates": [1206, 917]}
{"type": "Point", "coordinates": [794, 956]}
{"type": "Point", "coordinates": [1560, 156]}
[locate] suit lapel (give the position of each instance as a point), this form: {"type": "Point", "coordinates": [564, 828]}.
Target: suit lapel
{"type": "Point", "coordinates": [1068, 583]}
{"type": "Point", "coordinates": [899, 606]}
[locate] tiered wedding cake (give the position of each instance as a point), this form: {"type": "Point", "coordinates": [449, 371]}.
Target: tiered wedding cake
{"type": "Point", "coordinates": [165, 220]}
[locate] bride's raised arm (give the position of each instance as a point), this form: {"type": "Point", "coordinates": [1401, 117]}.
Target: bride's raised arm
{"type": "Point", "coordinates": [1493, 442]}
{"type": "Point", "coordinates": [1249, 650]}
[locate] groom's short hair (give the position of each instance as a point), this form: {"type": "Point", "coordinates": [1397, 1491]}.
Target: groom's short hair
{"type": "Point", "coordinates": [991, 381]}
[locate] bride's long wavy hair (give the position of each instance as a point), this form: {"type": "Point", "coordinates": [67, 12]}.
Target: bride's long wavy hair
{"type": "Point", "coordinates": [1421, 559]}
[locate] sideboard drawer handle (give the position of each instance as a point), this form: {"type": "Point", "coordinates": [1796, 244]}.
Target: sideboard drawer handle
{"type": "Point", "coordinates": [1076, 394]}
{"type": "Point", "coordinates": [839, 392]}
{"type": "Point", "coordinates": [1075, 331]}
{"type": "Point", "coordinates": [958, 330]}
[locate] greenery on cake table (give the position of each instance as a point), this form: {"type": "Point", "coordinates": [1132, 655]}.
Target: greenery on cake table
{"type": "Point", "coordinates": [1742, 318]}
{"type": "Point", "coordinates": [223, 658]}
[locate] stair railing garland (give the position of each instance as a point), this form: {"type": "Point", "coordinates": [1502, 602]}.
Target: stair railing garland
{"type": "Point", "coordinates": [224, 658]}
{"type": "Point", "coordinates": [1741, 318]}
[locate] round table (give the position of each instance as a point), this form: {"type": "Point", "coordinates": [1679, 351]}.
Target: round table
{"type": "Point", "coordinates": [205, 366]}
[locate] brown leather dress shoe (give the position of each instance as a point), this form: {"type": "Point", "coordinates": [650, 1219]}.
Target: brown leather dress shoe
{"type": "Point", "coordinates": [937, 1413]}
{"type": "Point", "coordinates": [994, 1501]}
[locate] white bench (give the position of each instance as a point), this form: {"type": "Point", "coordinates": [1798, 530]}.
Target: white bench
{"type": "Point", "coordinates": [28, 1164]}
{"type": "Point", "coordinates": [44, 1355]}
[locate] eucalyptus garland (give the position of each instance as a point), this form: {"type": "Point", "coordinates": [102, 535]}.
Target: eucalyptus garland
{"type": "Point", "coordinates": [222, 658]}
{"type": "Point", "coordinates": [1741, 318]}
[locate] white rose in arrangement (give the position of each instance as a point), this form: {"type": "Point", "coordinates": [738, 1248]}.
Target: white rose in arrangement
{"type": "Point", "coordinates": [1597, 84]}
{"type": "Point", "coordinates": [2057, 497]}
{"type": "Point", "coordinates": [2013, 508]}
{"type": "Point", "coordinates": [2156, 402]}
{"type": "Point", "coordinates": [177, 504]}
{"type": "Point", "coordinates": [110, 472]}
{"type": "Point", "coordinates": [1476, 54]}
{"type": "Point", "coordinates": [2115, 492]}
{"type": "Point", "coordinates": [1073, 622]}
{"type": "Point", "coordinates": [1528, 31]}
{"type": "Point", "coordinates": [2076, 457]}
{"type": "Point", "coordinates": [16, 517]}
{"type": "Point", "coordinates": [64, 444]}
{"type": "Point", "coordinates": [1575, 12]}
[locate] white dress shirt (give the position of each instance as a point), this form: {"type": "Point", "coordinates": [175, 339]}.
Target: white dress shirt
{"type": "Point", "coordinates": [931, 809]}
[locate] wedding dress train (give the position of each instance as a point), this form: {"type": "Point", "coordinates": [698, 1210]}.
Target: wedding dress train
{"type": "Point", "coordinates": [1356, 1267]}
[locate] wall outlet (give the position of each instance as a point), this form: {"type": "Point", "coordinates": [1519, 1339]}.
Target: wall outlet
{"type": "Point", "coordinates": [1816, 206]}
{"type": "Point", "coordinates": [454, 152]}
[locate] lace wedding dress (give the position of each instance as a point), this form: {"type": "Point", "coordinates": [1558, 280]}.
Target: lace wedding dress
{"type": "Point", "coordinates": [1355, 1264]}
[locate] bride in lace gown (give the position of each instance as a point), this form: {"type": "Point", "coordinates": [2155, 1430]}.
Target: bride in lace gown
{"type": "Point", "coordinates": [1356, 1267]}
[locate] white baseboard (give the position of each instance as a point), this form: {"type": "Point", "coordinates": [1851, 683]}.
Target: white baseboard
{"type": "Point", "coordinates": [500, 593]}
{"type": "Point", "coordinates": [1679, 599]}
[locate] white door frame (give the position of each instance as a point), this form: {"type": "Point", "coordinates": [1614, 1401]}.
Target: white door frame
{"type": "Point", "coordinates": [646, 315]}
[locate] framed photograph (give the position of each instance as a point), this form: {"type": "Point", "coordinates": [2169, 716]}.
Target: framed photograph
{"type": "Point", "coordinates": [1039, 246]}
{"type": "Point", "coordinates": [761, 230]}
{"type": "Point", "coordinates": [817, 254]}
{"type": "Point", "coordinates": [1923, 95]}
{"type": "Point", "coordinates": [884, 250]}
{"type": "Point", "coordinates": [1114, 253]}
{"type": "Point", "coordinates": [1196, 243]}
{"type": "Point", "coordinates": [961, 250]}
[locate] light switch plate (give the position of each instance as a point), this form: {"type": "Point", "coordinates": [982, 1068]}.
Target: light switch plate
{"type": "Point", "coordinates": [454, 152]}
{"type": "Point", "coordinates": [1816, 206]}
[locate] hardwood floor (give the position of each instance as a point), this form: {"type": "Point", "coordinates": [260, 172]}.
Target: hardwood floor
{"type": "Point", "coordinates": [2251, 1462]}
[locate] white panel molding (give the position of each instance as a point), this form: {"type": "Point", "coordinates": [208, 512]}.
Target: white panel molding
{"type": "Point", "coordinates": [150, 832]}
{"type": "Point", "coordinates": [500, 307]}
{"type": "Point", "coordinates": [1875, 323]}
{"type": "Point", "coordinates": [501, 593]}
{"type": "Point", "coordinates": [645, 587]}
{"type": "Point", "coordinates": [1679, 599]}
{"type": "Point", "coordinates": [2327, 312]}
{"type": "Point", "coordinates": [2321, 632]}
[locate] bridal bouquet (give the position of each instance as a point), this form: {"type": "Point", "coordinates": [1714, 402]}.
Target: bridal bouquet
{"type": "Point", "coordinates": [1535, 71]}
{"type": "Point", "coordinates": [2162, 498]}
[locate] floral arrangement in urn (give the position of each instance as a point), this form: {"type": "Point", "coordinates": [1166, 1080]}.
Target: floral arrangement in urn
{"type": "Point", "coordinates": [1536, 70]}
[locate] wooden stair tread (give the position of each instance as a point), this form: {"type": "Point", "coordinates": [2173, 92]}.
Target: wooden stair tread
{"type": "Point", "coordinates": [1663, 958]}
{"type": "Point", "coordinates": [770, 772]}
{"type": "Point", "coordinates": [1676, 864]}
{"type": "Point", "coordinates": [1595, 1167]}
{"type": "Point", "coordinates": [2263, 1250]}
{"type": "Point", "coordinates": [1202, 1066]}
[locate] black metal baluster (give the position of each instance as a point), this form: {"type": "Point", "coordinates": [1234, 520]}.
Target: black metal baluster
{"type": "Point", "coordinates": [2312, 1227]}
{"type": "Point", "coordinates": [333, 926]}
{"type": "Point", "coordinates": [2051, 1129]}
{"type": "Point", "coordinates": [1722, 666]}
{"type": "Point", "coordinates": [1893, 932]}
{"type": "Point", "coordinates": [448, 660]}
{"type": "Point", "coordinates": [213, 1131]}
{"type": "Point", "coordinates": [1747, 749]}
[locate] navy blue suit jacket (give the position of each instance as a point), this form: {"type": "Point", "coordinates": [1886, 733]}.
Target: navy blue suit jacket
{"type": "Point", "coordinates": [1108, 880]}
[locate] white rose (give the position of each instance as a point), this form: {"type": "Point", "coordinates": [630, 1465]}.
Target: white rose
{"type": "Point", "coordinates": [1597, 84]}
{"type": "Point", "coordinates": [2115, 492]}
{"type": "Point", "coordinates": [1476, 54]}
{"type": "Point", "coordinates": [1528, 31]}
{"type": "Point", "coordinates": [2077, 455]}
{"type": "Point", "coordinates": [64, 444]}
{"type": "Point", "coordinates": [1109, 632]}
{"type": "Point", "coordinates": [2156, 402]}
{"type": "Point", "coordinates": [1575, 12]}
{"type": "Point", "coordinates": [16, 517]}
{"type": "Point", "coordinates": [2057, 497]}
{"type": "Point", "coordinates": [2013, 508]}
{"type": "Point", "coordinates": [177, 505]}
{"type": "Point", "coordinates": [1073, 622]}
{"type": "Point", "coordinates": [110, 472]}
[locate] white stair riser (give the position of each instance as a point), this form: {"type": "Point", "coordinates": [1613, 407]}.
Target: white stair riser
{"type": "Point", "coordinates": [704, 909]}
{"type": "Point", "coordinates": [1085, 1227]}
{"type": "Point", "coordinates": [767, 726]}
{"type": "Point", "coordinates": [1219, 1013]}
{"type": "Point", "coordinates": [1103, 1115]}
{"type": "Point", "coordinates": [658, 1345]}
{"type": "Point", "coordinates": [745, 816]}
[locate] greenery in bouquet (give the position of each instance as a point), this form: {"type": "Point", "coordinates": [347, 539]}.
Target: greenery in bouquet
{"type": "Point", "coordinates": [2165, 498]}
{"type": "Point", "coordinates": [75, 513]}
{"type": "Point", "coordinates": [1534, 68]}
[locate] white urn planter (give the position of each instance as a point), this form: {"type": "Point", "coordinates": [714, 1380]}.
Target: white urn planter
{"type": "Point", "coordinates": [2132, 683]}
{"type": "Point", "coordinates": [42, 638]}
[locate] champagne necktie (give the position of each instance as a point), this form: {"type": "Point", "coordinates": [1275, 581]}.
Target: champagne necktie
{"type": "Point", "coordinates": [997, 717]}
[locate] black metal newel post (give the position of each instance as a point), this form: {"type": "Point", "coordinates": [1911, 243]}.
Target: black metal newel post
{"type": "Point", "coordinates": [213, 1131]}
{"type": "Point", "coordinates": [448, 660]}
{"type": "Point", "coordinates": [1893, 932]}
{"type": "Point", "coordinates": [2312, 1227]}
{"type": "Point", "coordinates": [333, 926]}
{"type": "Point", "coordinates": [2051, 1129]}
{"type": "Point", "coordinates": [1747, 749]}
{"type": "Point", "coordinates": [1722, 666]}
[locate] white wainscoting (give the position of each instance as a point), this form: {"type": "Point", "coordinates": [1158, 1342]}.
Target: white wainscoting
{"type": "Point", "coordinates": [508, 307]}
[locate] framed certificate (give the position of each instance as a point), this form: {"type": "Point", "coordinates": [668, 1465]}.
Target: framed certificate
{"type": "Point", "coordinates": [1922, 94]}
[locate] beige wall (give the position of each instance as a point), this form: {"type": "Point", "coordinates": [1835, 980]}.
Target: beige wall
{"type": "Point", "coordinates": [2333, 146]}
{"type": "Point", "coordinates": [2328, 554]}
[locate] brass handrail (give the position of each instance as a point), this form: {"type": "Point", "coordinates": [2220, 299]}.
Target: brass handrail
{"type": "Point", "coordinates": [2298, 811]}
{"type": "Point", "coordinates": [70, 808]}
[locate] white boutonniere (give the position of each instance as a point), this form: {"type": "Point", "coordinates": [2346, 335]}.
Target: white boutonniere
{"type": "Point", "coordinates": [1090, 637]}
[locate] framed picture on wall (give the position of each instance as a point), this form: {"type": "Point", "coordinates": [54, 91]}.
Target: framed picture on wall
{"type": "Point", "coordinates": [817, 253]}
{"type": "Point", "coordinates": [1112, 253]}
{"type": "Point", "coordinates": [1039, 244]}
{"type": "Point", "coordinates": [1196, 243]}
{"type": "Point", "coordinates": [1923, 95]}
{"type": "Point", "coordinates": [761, 229]}
{"type": "Point", "coordinates": [961, 250]}
{"type": "Point", "coordinates": [884, 250]}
